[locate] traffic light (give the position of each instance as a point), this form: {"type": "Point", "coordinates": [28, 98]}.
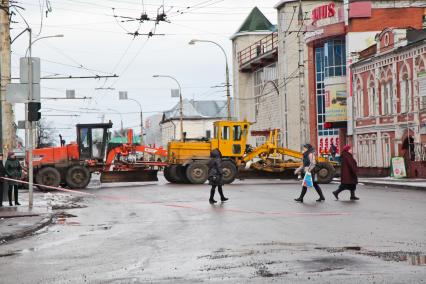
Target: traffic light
{"type": "Point", "coordinates": [34, 111]}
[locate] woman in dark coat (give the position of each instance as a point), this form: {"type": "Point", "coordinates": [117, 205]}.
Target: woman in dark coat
{"type": "Point", "coordinates": [2, 174]}
{"type": "Point", "coordinates": [309, 163]}
{"type": "Point", "coordinates": [215, 175]}
{"type": "Point", "coordinates": [349, 178]}
{"type": "Point", "coordinates": [14, 171]}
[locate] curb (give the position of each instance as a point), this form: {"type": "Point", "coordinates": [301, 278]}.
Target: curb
{"type": "Point", "coordinates": [398, 186]}
{"type": "Point", "coordinates": [28, 231]}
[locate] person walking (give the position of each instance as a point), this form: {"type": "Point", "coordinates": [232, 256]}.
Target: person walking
{"type": "Point", "coordinates": [308, 166]}
{"type": "Point", "coordinates": [13, 171]}
{"type": "Point", "coordinates": [216, 175]}
{"type": "Point", "coordinates": [348, 176]}
{"type": "Point", "coordinates": [2, 182]}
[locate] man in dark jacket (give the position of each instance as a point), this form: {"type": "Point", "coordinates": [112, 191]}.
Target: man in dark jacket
{"type": "Point", "coordinates": [14, 171]}
{"type": "Point", "coordinates": [348, 176]}
{"type": "Point", "coordinates": [216, 175]}
{"type": "Point", "coordinates": [2, 175]}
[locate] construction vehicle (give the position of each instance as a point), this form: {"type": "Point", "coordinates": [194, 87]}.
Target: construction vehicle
{"type": "Point", "coordinates": [72, 165]}
{"type": "Point", "coordinates": [188, 159]}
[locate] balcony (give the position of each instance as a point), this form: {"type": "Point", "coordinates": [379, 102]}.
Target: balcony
{"type": "Point", "coordinates": [259, 54]}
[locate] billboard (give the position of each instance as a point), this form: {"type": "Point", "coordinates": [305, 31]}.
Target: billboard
{"type": "Point", "coordinates": [335, 102]}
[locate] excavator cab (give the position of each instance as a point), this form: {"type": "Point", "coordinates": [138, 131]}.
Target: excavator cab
{"type": "Point", "coordinates": [92, 140]}
{"type": "Point", "coordinates": [231, 137]}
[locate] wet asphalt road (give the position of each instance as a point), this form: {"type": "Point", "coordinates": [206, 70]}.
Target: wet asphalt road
{"type": "Point", "coordinates": [169, 233]}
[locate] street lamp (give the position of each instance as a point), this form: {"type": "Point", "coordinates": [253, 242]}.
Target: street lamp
{"type": "Point", "coordinates": [228, 92]}
{"type": "Point", "coordinates": [31, 124]}
{"type": "Point", "coordinates": [180, 101]}
{"type": "Point", "coordinates": [123, 96]}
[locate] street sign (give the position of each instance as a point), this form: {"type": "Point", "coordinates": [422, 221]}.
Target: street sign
{"type": "Point", "coordinates": [21, 124]}
{"type": "Point", "coordinates": [70, 94]}
{"type": "Point", "coordinates": [18, 93]}
{"type": "Point", "coordinates": [24, 70]}
{"type": "Point", "coordinates": [122, 95]}
{"type": "Point", "coordinates": [175, 93]}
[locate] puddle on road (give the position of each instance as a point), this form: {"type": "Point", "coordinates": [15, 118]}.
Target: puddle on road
{"type": "Point", "coordinates": [61, 219]}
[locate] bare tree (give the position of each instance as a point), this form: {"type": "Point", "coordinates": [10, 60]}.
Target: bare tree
{"type": "Point", "coordinates": [46, 133]}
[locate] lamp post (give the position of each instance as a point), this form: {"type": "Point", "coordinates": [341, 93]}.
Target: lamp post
{"type": "Point", "coordinates": [228, 92]}
{"type": "Point", "coordinates": [30, 125]}
{"type": "Point", "coordinates": [141, 113]}
{"type": "Point", "coordinates": [180, 101]}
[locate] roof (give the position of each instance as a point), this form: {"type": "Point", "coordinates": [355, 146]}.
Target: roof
{"type": "Point", "coordinates": [256, 21]}
{"type": "Point", "coordinates": [198, 109]}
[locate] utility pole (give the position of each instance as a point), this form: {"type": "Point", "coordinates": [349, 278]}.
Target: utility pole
{"type": "Point", "coordinates": [301, 66]}
{"type": "Point", "coordinates": [6, 117]}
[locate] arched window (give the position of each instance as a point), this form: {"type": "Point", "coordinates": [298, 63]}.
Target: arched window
{"type": "Point", "coordinates": [360, 153]}
{"type": "Point", "coordinates": [366, 145]}
{"type": "Point", "coordinates": [386, 151]}
{"type": "Point", "coordinates": [359, 99]}
{"type": "Point", "coordinates": [373, 102]}
{"type": "Point", "coordinates": [421, 67]}
{"type": "Point", "coordinates": [373, 151]}
{"type": "Point", "coordinates": [405, 90]}
{"type": "Point", "coordinates": [387, 93]}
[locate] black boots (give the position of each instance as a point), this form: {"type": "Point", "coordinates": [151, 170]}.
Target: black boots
{"type": "Point", "coordinates": [302, 194]}
{"type": "Point", "coordinates": [305, 189]}
{"type": "Point", "coordinates": [9, 194]}
{"type": "Point", "coordinates": [336, 195]}
{"type": "Point", "coordinates": [212, 191]}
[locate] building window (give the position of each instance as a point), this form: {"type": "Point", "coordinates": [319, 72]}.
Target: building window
{"type": "Point", "coordinates": [406, 98]}
{"type": "Point", "coordinates": [373, 151]}
{"type": "Point", "coordinates": [320, 93]}
{"type": "Point", "coordinates": [335, 58]}
{"type": "Point", "coordinates": [387, 100]}
{"type": "Point", "coordinates": [359, 100]}
{"type": "Point", "coordinates": [386, 151]}
{"type": "Point", "coordinates": [372, 98]}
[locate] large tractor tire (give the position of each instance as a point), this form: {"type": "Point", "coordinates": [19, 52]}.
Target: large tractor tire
{"type": "Point", "coordinates": [177, 174]}
{"type": "Point", "coordinates": [77, 177]}
{"type": "Point", "coordinates": [168, 175]}
{"type": "Point", "coordinates": [229, 171]}
{"type": "Point", "coordinates": [197, 173]}
{"type": "Point", "coordinates": [48, 176]}
{"type": "Point", "coordinates": [325, 173]}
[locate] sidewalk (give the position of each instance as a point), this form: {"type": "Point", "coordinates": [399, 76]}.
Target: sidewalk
{"type": "Point", "coordinates": [21, 221]}
{"type": "Point", "coordinates": [404, 183]}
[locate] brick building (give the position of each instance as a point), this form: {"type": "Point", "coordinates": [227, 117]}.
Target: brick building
{"type": "Point", "coordinates": [389, 84]}
{"type": "Point", "coordinates": [336, 32]}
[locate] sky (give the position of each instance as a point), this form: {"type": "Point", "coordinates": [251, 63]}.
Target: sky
{"type": "Point", "coordinates": [95, 42]}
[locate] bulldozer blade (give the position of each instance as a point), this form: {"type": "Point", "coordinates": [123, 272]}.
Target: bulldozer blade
{"type": "Point", "coordinates": [129, 176]}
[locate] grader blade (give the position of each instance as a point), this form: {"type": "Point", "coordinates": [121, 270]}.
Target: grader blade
{"type": "Point", "coordinates": [129, 176]}
{"type": "Point", "coordinates": [255, 174]}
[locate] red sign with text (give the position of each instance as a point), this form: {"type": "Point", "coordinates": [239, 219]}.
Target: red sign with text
{"type": "Point", "coordinates": [323, 12]}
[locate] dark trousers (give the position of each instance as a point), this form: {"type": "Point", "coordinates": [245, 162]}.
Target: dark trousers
{"type": "Point", "coordinates": [212, 192]}
{"type": "Point", "coordinates": [343, 186]}
{"type": "Point", "coordinates": [317, 188]}
{"type": "Point", "coordinates": [14, 188]}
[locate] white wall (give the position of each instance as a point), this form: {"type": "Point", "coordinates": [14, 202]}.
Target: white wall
{"type": "Point", "coordinates": [193, 129]}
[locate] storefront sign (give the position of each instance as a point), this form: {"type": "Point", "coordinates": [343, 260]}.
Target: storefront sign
{"type": "Point", "coordinates": [422, 83]}
{"type": "Point", "coordinates": [335, 103]}
{"type": "Point", "coordinates": [323, 12]}
{"type": "Point", "coordinates": [398, 167]}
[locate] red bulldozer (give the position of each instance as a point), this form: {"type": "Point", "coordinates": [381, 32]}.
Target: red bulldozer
{"type": "Point", "coordinates": [72, 165]}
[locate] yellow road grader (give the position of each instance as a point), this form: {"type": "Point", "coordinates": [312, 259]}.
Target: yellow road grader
{"type": "Point", "coordinates": [187, 160]}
